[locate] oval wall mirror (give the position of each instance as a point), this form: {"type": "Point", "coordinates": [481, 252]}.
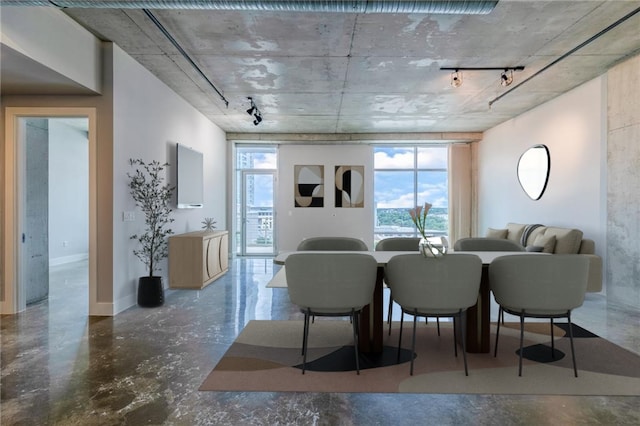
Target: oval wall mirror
{"type": "Point", "coordinates": [533, 171]}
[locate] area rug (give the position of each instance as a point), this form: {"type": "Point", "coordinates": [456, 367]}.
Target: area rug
{"type": "Point", "coordinates": [266, 356]}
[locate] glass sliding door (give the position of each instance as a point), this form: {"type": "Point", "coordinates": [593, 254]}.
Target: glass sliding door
{"type": "Point", "coordinates": [254, 194]}
{"type": "Point", "coordinates": [257, 213]}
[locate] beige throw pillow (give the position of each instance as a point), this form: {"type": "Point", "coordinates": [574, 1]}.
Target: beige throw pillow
{"type": "Point", "coordinates": [567, 240]}
{"type": "Point", "coordinates": [497, 233]}
{"type": "Point", "coordinates": [547, 242]}
{"type": "Point", "coordinates": [514, 231]}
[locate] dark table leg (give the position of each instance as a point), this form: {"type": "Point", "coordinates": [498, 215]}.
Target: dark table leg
{"type": "Point", "coordinates": [371, 321]}
{"type": "Point", "coordinates": [479, 318]}
{"type": "Point", "coordinates": [477, 321]}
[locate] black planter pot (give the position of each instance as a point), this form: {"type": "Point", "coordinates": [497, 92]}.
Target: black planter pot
{"type": "Point", "coordinates": [150, 292]}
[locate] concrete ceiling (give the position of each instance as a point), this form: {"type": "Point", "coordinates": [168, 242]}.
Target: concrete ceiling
{"type": "Point", "coordinates": [312, 72]}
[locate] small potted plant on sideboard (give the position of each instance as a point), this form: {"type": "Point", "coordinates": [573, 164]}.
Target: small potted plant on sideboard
{"type": "Point", "coordinates": [153, 197]}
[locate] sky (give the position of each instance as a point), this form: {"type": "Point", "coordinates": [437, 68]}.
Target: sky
{"type": "Point", "coordinates": [394, 183]}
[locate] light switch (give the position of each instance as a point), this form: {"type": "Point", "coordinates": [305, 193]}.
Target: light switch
{"type": "Point", "coordinates": [128, 216]}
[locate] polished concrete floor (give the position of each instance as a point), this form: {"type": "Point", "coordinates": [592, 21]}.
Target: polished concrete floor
{"type": "Point", "coordinates": [144, 366]}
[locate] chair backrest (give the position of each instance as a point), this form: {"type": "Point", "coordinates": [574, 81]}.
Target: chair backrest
{"type": "Point", "coordinates": [332, 244]}
{"type": "Point", "coordinates": [398, 244]}
{"type": "Point", "coordinates": [446, 284]}
{"type": "Point", "coordinates": [486, 244]}
{"type": "Point", "coordinates": [331, 282]}
{"type": "Point", "coordinates": [539, 282]}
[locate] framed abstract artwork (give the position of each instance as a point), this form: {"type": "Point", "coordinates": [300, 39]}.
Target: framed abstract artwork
{"type": "Point", "coordinates": [308, 186]}
{"type": "Point", "coordinates": [349, 186]}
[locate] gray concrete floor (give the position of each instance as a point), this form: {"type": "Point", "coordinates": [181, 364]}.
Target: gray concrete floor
{"type": "Point", "coordinates": [144, 366]}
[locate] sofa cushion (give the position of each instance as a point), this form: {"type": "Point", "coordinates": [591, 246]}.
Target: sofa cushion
{"type": "Point", "coordinates": [587, 246]}
{"type": "Point", "coordinates": [540, 230]}
{"type": "Point", "coordinates": [514, 231]}
{"type": "Point", "coordinates": [497, 233]}
{"type": "Point", "coordinates": [567, 240]}
{"type": "Point", "coordinates": [547, 242]}
{"type": "Point", "coordinates": [528, 232]}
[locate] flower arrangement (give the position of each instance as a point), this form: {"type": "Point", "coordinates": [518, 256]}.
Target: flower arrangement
{"type": "Point", "coordinates": [419, 218]}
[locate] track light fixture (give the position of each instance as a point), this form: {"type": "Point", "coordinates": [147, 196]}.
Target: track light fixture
{"type": "Point", "coordinates": [257, 118]}
{"type": "Point", "coordinates": [456, 78]}
{"type": "Point", "coordinates": [506, 77]}
{"type": "Point", "coordinates": [255, 112]}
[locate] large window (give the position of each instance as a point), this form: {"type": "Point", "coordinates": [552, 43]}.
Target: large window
{"type": "Point", "coordinates": [407, 176]}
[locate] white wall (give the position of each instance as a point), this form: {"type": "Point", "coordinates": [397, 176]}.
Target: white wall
{"type": "Point", "coordinates": [51, 38]}
{"type": "Point", "coordinates": [573, 126]}
{"type": "Point", "coordinates": [68, 193]}
{"type": "Point", "coordinates": [149, 119]}
{"type": "Point", "coordinates": [294, 224]}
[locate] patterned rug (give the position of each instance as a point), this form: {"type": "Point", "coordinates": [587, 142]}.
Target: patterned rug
{"type": "Point", "coordinates": [266, 356]}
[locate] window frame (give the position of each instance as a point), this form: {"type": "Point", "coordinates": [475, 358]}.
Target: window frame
{"type": "Point", "coordinates": [415, 170]}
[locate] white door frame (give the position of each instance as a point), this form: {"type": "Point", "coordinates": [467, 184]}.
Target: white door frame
{"type": "Point", "coordinates": [15, 294]}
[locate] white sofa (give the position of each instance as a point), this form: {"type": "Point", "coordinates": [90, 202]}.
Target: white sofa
{"type": "Point", "coordinates": [551, 239]}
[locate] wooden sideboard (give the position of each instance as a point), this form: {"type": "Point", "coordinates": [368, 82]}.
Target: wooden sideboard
{"type": "Point", "coordinates": [197, 258]}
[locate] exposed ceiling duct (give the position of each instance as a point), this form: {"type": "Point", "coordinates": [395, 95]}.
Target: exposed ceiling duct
{"type": "Point", "coordinates": [462, 7]}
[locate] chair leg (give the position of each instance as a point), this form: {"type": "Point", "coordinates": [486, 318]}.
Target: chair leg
{"type": "Point", "coordinates": [390, 313]}
{"type": "Point", "coordinates": [573, 353]}
{"type": "Point", "coordinates": [304, 334]}
{"type": "Point", "coordinates": [438, 323]}
{"type": "Point", "coordinates": [553, 343]}
{"type": "Point", "coordinates": [413, 342]}
{"type": "Point", "coordinates": [495, 350]}
{"type": "Point", "coordinates": [455, 338]}
{"type": "Point", "coordinates": [305, 339]}
{"type": "Point", "coordinates": [462, 337]}
{"type": "Point", "coordinates": [355, 319]}
{"type": "Point", "coordinates": [501, 316]}
{"type": "Point", "coordinates": [400, 336]}
{"type": "Point", "coordinates": [521, 344]}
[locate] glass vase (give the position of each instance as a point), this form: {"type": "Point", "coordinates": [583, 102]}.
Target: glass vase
{"type": "Point", "coordinates": [430, 248]}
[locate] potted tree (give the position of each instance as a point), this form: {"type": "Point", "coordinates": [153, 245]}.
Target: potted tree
{"type": "Point", "coordinates": [153, 197]}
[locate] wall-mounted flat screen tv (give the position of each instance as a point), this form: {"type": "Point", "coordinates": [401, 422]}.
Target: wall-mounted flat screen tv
{"type": "Point", "coordinates": [190, 178]}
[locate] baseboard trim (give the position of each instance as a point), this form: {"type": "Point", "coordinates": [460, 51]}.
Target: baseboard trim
{"type": "Point", "coordinates": [101, 309]}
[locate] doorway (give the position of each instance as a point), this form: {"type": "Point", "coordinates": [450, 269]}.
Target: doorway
{"type": "Point", "coordinates": [257, 213]}
{"type": "Point", "coordinates": [49, 201]}
{"type": "Point", "coordinates": [254, 184]}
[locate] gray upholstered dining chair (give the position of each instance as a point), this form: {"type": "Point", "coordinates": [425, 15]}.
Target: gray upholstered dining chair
{"type": "Point", "coordinates": [435, 287]}
{"type": "Point", "coordinates": [539, 286]}
{"type": "Point", "coordinates": [331, 284]}
{"type": "Point", "coordinates": [398, 244]}
{"type": "Point", "coordinates": [486, 244]}
{"type": "Point", "coordinates": [331, 244]}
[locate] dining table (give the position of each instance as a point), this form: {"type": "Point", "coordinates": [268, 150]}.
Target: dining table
{"type": "Point", "coordinates": [477, 317]}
